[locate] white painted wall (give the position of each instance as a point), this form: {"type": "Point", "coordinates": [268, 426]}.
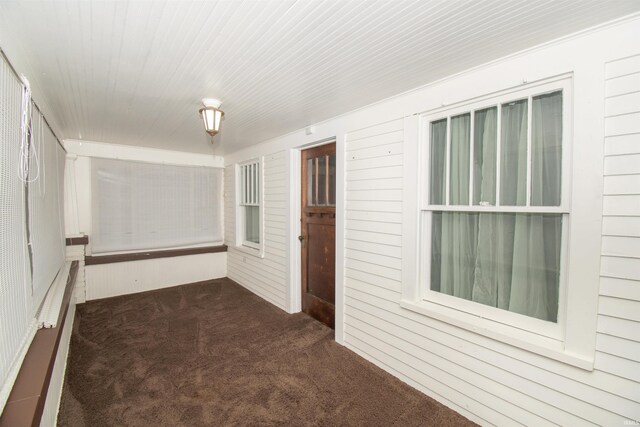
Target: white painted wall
{"type": "Point", "coordinates": [264, 274]}
{"type": "Point", "coordinates": [120, 278]}
{"type": "Point", "coordinates": [486, 379]}
{"type": "Point", "coordinates": [106, 280]}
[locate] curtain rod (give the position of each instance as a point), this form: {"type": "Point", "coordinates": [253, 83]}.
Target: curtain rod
{"type": "Point", "coordinates": [15, 73]}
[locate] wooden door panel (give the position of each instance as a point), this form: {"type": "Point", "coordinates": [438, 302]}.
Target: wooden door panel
{"type": "Point", "coordinates": [318, 215]}
{"type": "Point", "coordinates": [321, 261]}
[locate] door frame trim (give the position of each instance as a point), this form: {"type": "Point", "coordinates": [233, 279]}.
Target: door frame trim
{"type": "Point", "coordinates": [294, 303]}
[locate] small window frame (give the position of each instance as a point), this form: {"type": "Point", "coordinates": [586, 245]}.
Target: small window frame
{"type": "Point", "coordinates": [250, 193]}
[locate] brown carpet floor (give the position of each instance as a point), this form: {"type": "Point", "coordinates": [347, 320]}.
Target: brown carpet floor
{"type": "Point", "coordinates": [213, 354]}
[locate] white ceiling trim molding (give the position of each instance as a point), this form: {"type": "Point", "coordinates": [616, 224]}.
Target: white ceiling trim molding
{"type": "Point", "coordinates": [140, 154]}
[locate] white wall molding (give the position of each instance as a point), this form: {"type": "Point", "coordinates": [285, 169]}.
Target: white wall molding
{"type": "Point", "coordinates": [140, 154]}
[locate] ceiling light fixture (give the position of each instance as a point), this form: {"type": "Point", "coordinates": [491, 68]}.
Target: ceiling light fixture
{"type": "Point", "coordinates": [211, 115]}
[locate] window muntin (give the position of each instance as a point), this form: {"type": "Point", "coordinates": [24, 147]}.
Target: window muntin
{"type": "Point", "coordinates": [321, 180]}
{"type": "Point", "coordinates": [250, 197]}
{"type": "Point", "coordinates": [493, 218]}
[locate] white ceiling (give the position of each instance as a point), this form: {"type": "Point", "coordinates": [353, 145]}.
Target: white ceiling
{"type": "Point", "coordinates": [133, 72]}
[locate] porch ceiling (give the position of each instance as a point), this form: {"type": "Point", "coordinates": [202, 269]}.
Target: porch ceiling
{"type": "Point", "coordinates": [133, 72]}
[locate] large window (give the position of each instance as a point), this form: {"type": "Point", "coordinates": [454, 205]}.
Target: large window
{"type": "Point", "coordinates": [250, 200]}
{"type": "Point", "coordinates": [139, 206]}
{"type": "Point", "coordinates": [495, 208]}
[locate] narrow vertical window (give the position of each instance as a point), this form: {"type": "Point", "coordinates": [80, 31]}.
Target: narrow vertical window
{"type": "Point", "coordinates": [250, 201]}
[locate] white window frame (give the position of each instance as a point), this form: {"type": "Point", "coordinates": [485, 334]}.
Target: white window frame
{"type": "Point", "coordinates": [254, 196]}
{"type": "Point", "coordinates": [550, 339]}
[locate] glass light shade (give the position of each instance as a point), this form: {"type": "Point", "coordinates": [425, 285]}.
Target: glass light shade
{"type": "Point", "coordinates": [211, 117]}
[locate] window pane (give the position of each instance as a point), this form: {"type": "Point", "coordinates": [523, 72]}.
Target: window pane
{"type": "Point", "coordinates": [256, 184]}
{"type": "Point", "coordinates": [332, 180]}
{"type": "Point", "coordinates": [459, 160]}
{"type": "Point", "coordinates": [509, 261]}
{"type": "Point", "coordinates": [322, 183]}
{"type": "Point", "coordinates": [546, 150]}
{"type": "Point", "coordinates": [252, 224]}
{"type": "Point", "coordinates": [311, 181]}
{"type": "Point", "coordinates": [437, 161]}
{"type": "Point", "coordinates": [484, 156]}
{"type": "Point", "coordinates": [513, 166]}
{"type": "Point", "coordinates": [245, 182]}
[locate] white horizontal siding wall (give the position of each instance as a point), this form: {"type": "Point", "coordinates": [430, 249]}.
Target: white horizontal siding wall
{"type": "Point", "coordinates": [618, 341]}
{"type": "Point", "coordinates": [488, 381]}
{"type": "Point", "coordinates": [265, 276]}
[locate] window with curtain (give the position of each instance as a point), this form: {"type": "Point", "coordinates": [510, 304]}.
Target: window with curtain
{"type": "Point", "coordinates": [495, 207]}
{"type": "Point", "coordinates": [250, 197]}
{"type": "Point", "coordinates": [141, 206]}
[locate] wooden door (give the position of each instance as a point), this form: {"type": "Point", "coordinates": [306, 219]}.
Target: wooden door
{"type": "Point", "coordinates": [318, 218]}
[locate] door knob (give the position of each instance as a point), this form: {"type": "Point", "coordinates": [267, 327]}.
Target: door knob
{"type": "Point", "coordinates": [301, 238]}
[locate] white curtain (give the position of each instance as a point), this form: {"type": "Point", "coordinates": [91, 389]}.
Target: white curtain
{"type": "Point", "coordinates": [505, 260]}
{"type": "Point", "coordinates": [139, 206]}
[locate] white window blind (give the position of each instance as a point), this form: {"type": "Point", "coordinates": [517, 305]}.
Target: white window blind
{"type": "Point", "coordinates": [140, 206]}
{"type": "Point", "coordinates": [31, 233]}
{"type": "Point", "coordinates": [46, 216]}
{"type": "Point", "coordinates": [14, 313]}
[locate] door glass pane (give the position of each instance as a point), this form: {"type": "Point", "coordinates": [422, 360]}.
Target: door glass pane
{"type": "Point", "coordinates": [311, 182]}
{"type": "Point", "coordinates": [437, 161]}
{"type": "Point", "coordinates": [509, 261]}
{"type": "Point", "coordinates": [252, 224]}
{"type": "Point", "coordinates": [459, 160]}
{"type": "Point", "coordinates": [484, 157]}
{"type": "Point", "coordinates": [322, 180]}
{"type": "Point", "coordinates": [332, 180]}
{"type": "Point", "coordinates": [513, 158]}
{"type": "Point", "coordinates": [546, 149]}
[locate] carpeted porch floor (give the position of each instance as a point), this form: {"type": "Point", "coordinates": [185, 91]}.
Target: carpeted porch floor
{"type": "Point", "coordinates": [214, 354]}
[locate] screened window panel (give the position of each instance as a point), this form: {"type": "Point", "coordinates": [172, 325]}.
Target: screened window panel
{"type": "Point", "coordinates": [14, 262]}
{"type": "Point", "coordinates": [46, 219]}
{"type": "Point", "coordinates": [139, 206]}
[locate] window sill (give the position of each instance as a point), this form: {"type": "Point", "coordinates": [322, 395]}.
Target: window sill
{"type": "Point", "coordinates": [529, 341]}
{"type": "Point", "coordinates": [137, 256]}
